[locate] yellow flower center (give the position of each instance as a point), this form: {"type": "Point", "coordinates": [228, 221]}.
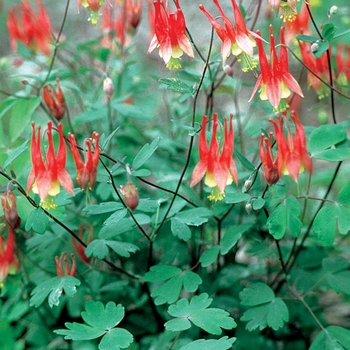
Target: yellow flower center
{"type": "Point", "coordinates": [216, 195]}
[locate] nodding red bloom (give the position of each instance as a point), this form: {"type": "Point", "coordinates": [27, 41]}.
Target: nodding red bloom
{"type": "Point", "coordinates": [299, 26]}
{"type": "Point", "coordinates": [8, 260]}
{"type": "Point", "coordinates": [170, 35]}
{"type": "Point", "coordinates": [342, 59]}
{"type": "Point", "coordinates": [275, 79]}
{"type": "Point", "coordinates": [54, 100]}
{"type": "Point", "coordinates": [218, 168]}
{"type": "Point", "coordinates": [238, 40]}
{"type": "Point", "coordinates": [93, 6]}
{"type": "Point", "coordinates": [47, 175]}
{"type": "Point", "coordinates": [131, 195]}
{"type": "Point", "coordinates": [79, 247]}
{"type": "Point", "coordinates": [292, 154]}
{"type": "Point", "coordinates": [8, 201]}
{"type": "Point", "coordinates": [62, 265]}
{"type": "Point", "coordinates": [319, 66]}
{"type": "Point", "coordinates": [270, 166]}
{"type": "Point", "coordinates": [32, 29]}
{"type": "Point", "coordinates": [119, 21]}
{"type": "Point", "coordinates": [86, 173]}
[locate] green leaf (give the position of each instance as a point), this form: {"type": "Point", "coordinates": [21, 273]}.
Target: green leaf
{"type": "Point", "coordinates": [244, 161]}
{"type": "Point", "coordinates": [103, 208]}
{"type": "Point", "coordinates": [307, 38]}
{"type": "Point", "coordinates": [334, 154]}
{"type": "Point", "coordinates": [209, 319]}
{"type": "Point", "coordinates": [285, 218]}
{"type": "Point", "coordinates": [324, 137]}
{"type": "Point", "coordinates": [53, 288]}
{"type": "Point", "coordinates": [328, 31]}
{"type": "Point", "coordinates": [101, 320]}
{"type": "Point", "coordinates": [116, 217]}
{"type": "Point", "coordinates": [258, 203]}
{"type": "Point", "coordinates": [195, 216]}
{"type": "Point", "coordinates": [223, 343]}
{"type": "Point", "coordinates": [145, 153]}
{"type": "Point", "coordinates": [15, 154]}
{"type": "Point", "coordinates": [337, 274]}
{"type": "Point", "coordinates": [78, 331]}
{"type": "Point", "coordinates": [332, 338]}
{"type": "Point", "coordinates": [37, 221]}
{"type": "Point", "coordinates": [277, 221]}
{"type": "Point", "coordinates": [180, 229]}
{"type": "Point", "coordinates": [209, 256]}
{"type": "Point", "coordinates": [256, 294]}
{"type": "Point", "coordinates": [99, 248]}
{"type": "Point", "coordinates": [115, 339]}
{"type": "Point", "coordinates": [105, 142]}
{"type": "Point", "coordinates": [174, 279]}
{"type": "Point", "coordinates": [232, 236]}
{"type": "Point", "coordinates": [99, 316]}
{"type": "Point", "coordinates": [272, 314]}
{"type": "Point", "coordinates": [177, 85]}
{"type": "Point", "coordinates": [233, 198]}
{"type": "Point", "coordinates": [22, 113]}
{"type": "Point", "coordinates": [323, 46]}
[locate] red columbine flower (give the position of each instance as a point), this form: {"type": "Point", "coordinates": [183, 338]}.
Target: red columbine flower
{"type": "Point", "coordinates": [237, 40]}
{"type": "Point", "coordinates": [319, 66]}
{"type": "Point", "coordinates": [54, 100]}
{"type": "Point", "coordinates": [275, 79]}
{"type": "Point", "coordinates": [65, 270]}
{"type": "Point", "coordinates": [292, 154]}
{"type": "Point", "coordinates": [342, 59]}
{"type": "Point", "coordinates": [131, 196]}
{"type": "Point", "coordinates": [93, 6]}
{"type": "Point", "coordinates": [8, 201]}
{"type": "Point", "coordinates": [86, 173]}
{"type": "Point", "coordinates": [270, 167]}
{"type": "Point", "coordinates": [8, 260]}
{"type": "Point", "coordinates": [120, 21]}
{"type": "Point", "coordinates": [219, 169]}
{"type": "Point", "coordinates": [79, 247]}
{"type": "Point", "coordinates": [299, 26]}
{"type": "Point", "coordinates": [32, 29]}
{"type": "Point", "coordinates": [46, 176]}
{"type": "Point", "coordinates": [170, 35]}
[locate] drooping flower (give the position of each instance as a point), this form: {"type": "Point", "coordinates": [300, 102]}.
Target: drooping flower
{"type": "Point", "coordinates": [270, 166]}
{"type": "Point", "coordinates": [119, 21]}
{"type": "Point", "coordinates": [79, 247]}
{"type": "Point", "coordinates": [8, 201]}
{"type": "Point", "coordinates": [62, 265]}
{"type": "Point", "coordinates": [342, 59]}
{"type": "Point", "coordinates": [8, 260]}
{"type": "Point", "coordinates": [288, 9]}
{"type": "Point", "coordinates": [86, 173]}
{"type": "Point", "coordinates": [33, 29]}
{"type": "Point", "coordinates": [46, 175]}
{"type": "Point", "coordinates": [170, 35]}
{"type": "Point", "coordinates": [218, 168]}
{"type": "Point", "coordinates": [319, 66]}
{"type": "Point", "coordinates": [93, 6]}
{"type": "Point", "coordinates": [131, 195]}
{"type": "Point", "coordinates": [292, 153]}
{"type": "Point", "coordinates": [275, 79]}
{"type": "Point", "coordinates": [237, 40]}
{"type": "Point", "coordinates": [299, 26]}
{"type": "Point", "coordinates": [54, 100]}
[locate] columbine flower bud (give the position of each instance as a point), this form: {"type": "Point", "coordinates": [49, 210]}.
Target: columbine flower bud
{"type": "Point", "coordinates": [333, 10]}
{"type": "Point", "coordinates": [314, 47]}
{"type": "Point", "coordinates": [8, 201]}
{"type": "Point", "coordinates": [131, 196]}
{"type": "Point", "coordinates": [108, 87]}
{"type": "Point", "coordinates": [228, 70]}
{"type": "Point", "coordinates": [63, 260]}
{"type": "Point", "coordinates": [54, 100]}
{"type": "Point", "coordinates": [247, 185]}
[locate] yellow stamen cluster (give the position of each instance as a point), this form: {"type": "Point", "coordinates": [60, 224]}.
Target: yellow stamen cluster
{"type": "Point", "coordinates": [216, 195]}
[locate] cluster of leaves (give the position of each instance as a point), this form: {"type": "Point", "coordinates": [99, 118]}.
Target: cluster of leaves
{"type": "Point", "coordinates": [253, 271]}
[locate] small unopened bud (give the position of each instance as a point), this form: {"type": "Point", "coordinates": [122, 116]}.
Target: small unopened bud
{"type": "Point", "coordinates": [8, 201]}
{"type": "Point", "coordinates": [108, 87]}
{"type": "Point", "coordinates": [247, 185]}
{"type": "Point", "coordinates": [248, 207]}
{"type": "Point", "coordinates": [228, 70]}
{"type": "Point", "coordinates": [25, 82]}
{"type": "Point", "coordinates": [131, 196]}
{"type": "Point", "coordinates": [314, 47]}
{"type": "Point", "coordinates": [333, 10]}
